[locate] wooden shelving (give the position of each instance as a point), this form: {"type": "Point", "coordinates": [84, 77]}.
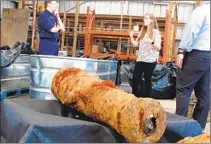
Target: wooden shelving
{"type": "Point", "coordinates": [93, 31]}
{"type": "Point", "coordinates": [106, 28]}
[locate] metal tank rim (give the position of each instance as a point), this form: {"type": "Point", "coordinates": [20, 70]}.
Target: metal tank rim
{"type": "Point", "coordinates": [74, 58]}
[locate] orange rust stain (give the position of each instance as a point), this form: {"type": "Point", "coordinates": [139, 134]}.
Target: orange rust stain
{"type": "Point", "coordinates": [105, 85]}
{"type": "Point", "coordinates": [64, 74]}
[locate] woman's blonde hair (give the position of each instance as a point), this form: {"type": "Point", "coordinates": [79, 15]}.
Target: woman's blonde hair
{"type": "Point", "coordinates": [149, 32]}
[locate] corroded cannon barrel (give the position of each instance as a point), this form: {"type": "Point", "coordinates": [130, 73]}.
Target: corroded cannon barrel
{"type": "Point", "coordinates": [137, 119]}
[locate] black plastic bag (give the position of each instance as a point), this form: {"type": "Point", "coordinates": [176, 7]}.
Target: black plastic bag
{"type": "Point", "coordinates": [163, 79]}
{"type": "Point", "coordinates": [26, 49]}
{"type": "Point", "coordinates": [126, 72]}
{"type": "Point", "coordinates": [8, 55]}
{"type": "Point", "coordinates": [5, 48]}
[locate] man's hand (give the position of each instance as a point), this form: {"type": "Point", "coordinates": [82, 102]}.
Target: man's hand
{"type": "Point", "coordinates": [56, 13]}
{"type": "Point", "coordinates": [180, 58]}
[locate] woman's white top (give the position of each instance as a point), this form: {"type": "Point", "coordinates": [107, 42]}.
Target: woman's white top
{"type": "Point", "coordinates": [146, 52]}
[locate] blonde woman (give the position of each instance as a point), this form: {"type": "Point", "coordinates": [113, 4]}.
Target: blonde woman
{"type": "Point", "coordinates": [149, 43]}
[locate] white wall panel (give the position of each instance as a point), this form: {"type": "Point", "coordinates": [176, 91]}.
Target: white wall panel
{"type": "Point", "coordinates": [98, 7]}
{"type": "Point", "coordinates": [181, 13]}
{"type": "Point", "coordinates": [92, 5]}
{"type": "Point", "coordinates": [146, 8]}
{"type": "Point", "coordinates": [133, 9]}
{"type": "Point", "coordinates": [106, 7]}
{"type": "Point", "coordinates": [157, 11]}
{"type": "Point", "coordinates": [151, 8]}
{"type": "Point", "coordinates": [141, 9]}
{"type": "Point", "coordinates": [138, 8]}
{"type": "Point", "coordinates": [67, 5]}
{"type": "Point", "coordinates": [179, 32]}
{"type": "Point", "coordinates": [184, 11]}
{"type": "Point", "coordinates": [87, 4]}
{"type": "Point", "coordinates": [115, 7]}
{"type": "Point", "coordinates": [163, 11]}
{"type": "Point", "coordinates": [125, 8]}
{"type": "Point", "coordinates": [83, 8]}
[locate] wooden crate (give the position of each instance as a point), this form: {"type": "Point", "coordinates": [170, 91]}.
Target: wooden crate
{"type": "Point", "coordinates": [14, 26]}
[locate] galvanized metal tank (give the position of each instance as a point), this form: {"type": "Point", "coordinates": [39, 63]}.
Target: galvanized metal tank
{"type": "Point", "coordinates": [17, 75]}
{"type": "Point", "coordinates": [43, 69]}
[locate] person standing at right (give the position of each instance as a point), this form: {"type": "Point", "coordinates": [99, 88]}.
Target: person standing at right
{"type": "Point", "coordinates": [193, 60]}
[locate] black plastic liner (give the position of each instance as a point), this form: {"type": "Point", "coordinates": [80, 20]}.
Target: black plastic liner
{"type": "Point", "coordinates": [163, 79]}
{"type": "Point", "coordinates": [40, 121]}
{"type": "Point", "coordinates": [9, 55]}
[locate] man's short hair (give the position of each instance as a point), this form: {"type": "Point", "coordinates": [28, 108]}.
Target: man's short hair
{"type": "Point", "coordinates": [47, 2]}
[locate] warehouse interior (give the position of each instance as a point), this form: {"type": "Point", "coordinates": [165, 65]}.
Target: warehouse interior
{"type": "Point", "coordinates": [85, 92]}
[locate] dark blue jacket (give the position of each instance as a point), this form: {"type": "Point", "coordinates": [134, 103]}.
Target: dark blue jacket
{"type": "Point", "coordinates": [48, 41]}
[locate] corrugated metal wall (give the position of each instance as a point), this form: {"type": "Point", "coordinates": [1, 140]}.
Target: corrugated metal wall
{"type": "Point", "coordinates": [136, 8]}
{"type": "Point", "coordinates": [7, 4]}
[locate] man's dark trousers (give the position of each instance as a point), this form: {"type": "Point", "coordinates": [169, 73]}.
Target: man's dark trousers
{"type": "Point", "coordinates": [194, 75]}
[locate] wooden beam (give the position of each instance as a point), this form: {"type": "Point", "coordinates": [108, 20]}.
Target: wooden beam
{"type": "Point", "coordinates": [101, 54]}
{"type": "Point", "coordinates": [63, 33]}
{"type": "Point", "coordinates": [111, 33]}
{"type": "Point", "coordinates": [86, 46]}
{"type": "Point", "coordinates": [114, 17]}
{"type": "Point", "coordinates": [75, 29]}
{"type": "Point", "coordinates": [20, 4]}
{"type": "Point", "coordinates": [173, 55]}
{"type": "Point", "coordinates": [66, 45]}
{"type": "Point", "coordinates": [101, 24]}
{"type": "Point", "coordinates": [34, 24]}
{"type": "Point", "coordinates": [165, 45]}
{"type": "Point", "coordinates": [170, 33]}
{"type": "Point", "coordinates": [130, 28]}
{"type": "Point", "coordinates": [121, 20]}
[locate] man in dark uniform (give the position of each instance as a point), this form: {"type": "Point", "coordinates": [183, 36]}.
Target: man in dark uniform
{"type": "Point", "coordinates": [49, 24]}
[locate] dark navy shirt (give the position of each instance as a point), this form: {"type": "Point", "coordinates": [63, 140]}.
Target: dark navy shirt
{"type": "Point", "coordinates": [46, 21]}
